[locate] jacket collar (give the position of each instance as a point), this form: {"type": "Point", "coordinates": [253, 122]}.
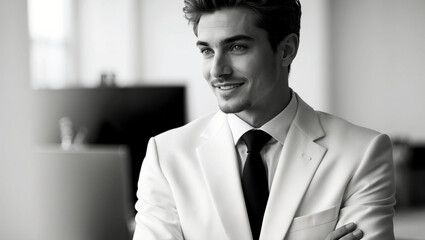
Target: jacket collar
{"type": "Point", "coordinates": [300, 157]}
{"type": "Point", "coordinates": [219, 165]}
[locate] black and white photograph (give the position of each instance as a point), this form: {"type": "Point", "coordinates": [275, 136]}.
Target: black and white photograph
{"type": "Point", "coordinates": [212, 119]}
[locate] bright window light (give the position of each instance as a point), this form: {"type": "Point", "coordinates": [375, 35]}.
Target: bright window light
{"type": "Point", "coordinates": [50, 37]}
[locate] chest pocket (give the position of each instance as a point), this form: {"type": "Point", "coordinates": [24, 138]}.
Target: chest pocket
{"type": "Point", "coordinates": [313, 226]}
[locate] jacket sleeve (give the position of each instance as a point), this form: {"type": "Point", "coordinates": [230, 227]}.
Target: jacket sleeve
{"type": "Point", "coordinates": [369, 198]}
{"type": "Point", "coordinates": [157, 216]}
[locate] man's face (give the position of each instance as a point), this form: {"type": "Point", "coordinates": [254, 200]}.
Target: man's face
{"type": "Point", "coordinates": [243, 71]}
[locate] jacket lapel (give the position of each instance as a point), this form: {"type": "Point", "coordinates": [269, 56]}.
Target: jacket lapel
{"type": "Point", "coordinates": [219, 164]}
{"type": "Point", "coordinates": [297, 164]}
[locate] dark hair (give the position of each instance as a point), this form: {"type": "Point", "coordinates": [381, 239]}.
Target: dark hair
{"type": "Point", "coordinates": [277, 17]}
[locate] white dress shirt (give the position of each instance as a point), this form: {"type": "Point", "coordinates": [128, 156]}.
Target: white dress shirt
{"type": "Point", "coordinates": [277, 128]}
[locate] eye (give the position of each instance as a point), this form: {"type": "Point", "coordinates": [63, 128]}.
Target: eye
{"type": "Point", "coordinates": [206, 52]}
{"type": "Point", "coordinates": [238, 48]}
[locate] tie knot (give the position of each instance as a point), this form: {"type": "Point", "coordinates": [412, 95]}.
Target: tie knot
{"type": "Point", "coordinates": [255, 140]}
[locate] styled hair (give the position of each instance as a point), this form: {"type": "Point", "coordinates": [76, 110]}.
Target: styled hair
{"type": "Point", "coordinates": [277, 17]}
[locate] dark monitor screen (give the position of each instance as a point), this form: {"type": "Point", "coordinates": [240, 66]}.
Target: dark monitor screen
{"type": "Point", "coordinates": [113, 116]}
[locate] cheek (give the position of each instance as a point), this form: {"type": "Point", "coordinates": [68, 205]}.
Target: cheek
{"type": "Point", "coordinates": [247, 67]}
{"type": "Point", "coordinates": [262, 67]}
{"type": "Point", "coordinates": [206, 70]}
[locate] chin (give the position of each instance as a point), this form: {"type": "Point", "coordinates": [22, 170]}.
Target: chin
{"type": "Point", "coordinates": [231, 108]}
{"type": "Point", "coordinates": [227, 110]}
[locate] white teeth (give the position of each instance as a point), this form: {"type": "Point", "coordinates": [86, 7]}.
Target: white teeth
{"type": "Point", "coordinates": [228, 87]}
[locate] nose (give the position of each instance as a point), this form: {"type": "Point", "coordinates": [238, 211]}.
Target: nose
{"type": "Point", "coordinates": [220, 66]}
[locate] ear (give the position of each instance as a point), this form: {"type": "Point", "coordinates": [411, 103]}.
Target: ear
{"type": "Point", "coordinates": [288, 49]}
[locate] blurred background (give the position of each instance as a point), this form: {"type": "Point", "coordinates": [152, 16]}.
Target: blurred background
{"type": "Point", "coordinates": [85, 83]}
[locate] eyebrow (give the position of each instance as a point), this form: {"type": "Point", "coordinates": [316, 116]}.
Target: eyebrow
{"type": "Point", "coordinates": [227, 40]}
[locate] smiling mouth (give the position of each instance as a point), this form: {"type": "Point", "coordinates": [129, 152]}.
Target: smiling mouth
{"type": "Point", "coordinates": [227, 87]}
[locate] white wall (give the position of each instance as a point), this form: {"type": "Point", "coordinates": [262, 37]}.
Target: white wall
{"type": "Point", "coordinates": [378, 64]}
{"type": "Point", "coordinates": [310, 70]}
{"type": "Point", "coordinates": [107, 35]}
{"type": "Point", "coordinates": [168, 54]}
{"type": "Point", "coordinates": [16, 218]}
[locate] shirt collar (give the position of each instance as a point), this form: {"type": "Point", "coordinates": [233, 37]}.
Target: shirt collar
{"type": "Point", "coordinates": [277, 127]}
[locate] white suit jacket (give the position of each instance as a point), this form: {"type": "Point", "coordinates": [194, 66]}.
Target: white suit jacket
{"type": "Point", "coordinates": [330, 173]}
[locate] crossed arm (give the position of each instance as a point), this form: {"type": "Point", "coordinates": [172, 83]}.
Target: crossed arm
{"type": "Point", "coordinates": [346, 232]}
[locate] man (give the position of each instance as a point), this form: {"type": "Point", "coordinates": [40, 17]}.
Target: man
{"type": "Point", "coordinates": [312, 174]}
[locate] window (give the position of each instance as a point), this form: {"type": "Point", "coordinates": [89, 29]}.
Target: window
{"type": "Point", "coordinates": [76, 42]}
{"type": "Point", "coordinates": [52, 59]}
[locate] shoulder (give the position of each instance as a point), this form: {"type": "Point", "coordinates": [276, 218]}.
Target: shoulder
{"type": "Point", "coordinates": [176, 149]}
{"type": "Point", "coordinates": [352, 138]}
{"type": "Point", "coordinates": [334, 124]}
{"type": "Point", "coordinates": [189, 133]}
{"type": "Point", "coordinates": [330, 129]}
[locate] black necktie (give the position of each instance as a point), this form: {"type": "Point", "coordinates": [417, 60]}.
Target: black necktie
{"type": "Point", "coordinates": [254, 180]}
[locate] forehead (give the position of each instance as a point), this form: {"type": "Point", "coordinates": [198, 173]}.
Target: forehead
{"type": "Point", "coordinates": [226, 23]}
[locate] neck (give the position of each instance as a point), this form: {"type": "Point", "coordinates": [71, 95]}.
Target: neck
{"type": "Point", "coordinates": [258, 117]}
